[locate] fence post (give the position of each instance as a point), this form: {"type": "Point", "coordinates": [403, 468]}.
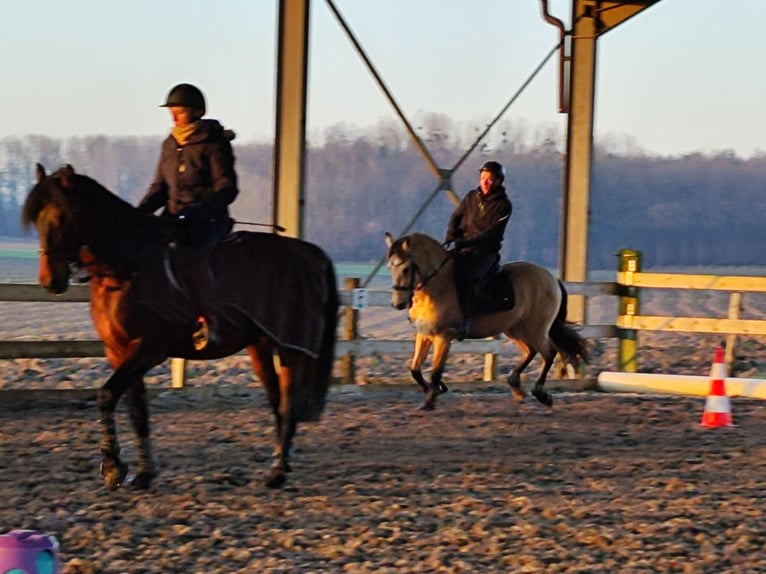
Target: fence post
{"type": "Point", "coordinates": [177, 373]}
{"type": "Point", "coordinates": [627, 351]}
{"type": "Point", "coordinates": [490, 365]}
{"type": "Point", "coordinates": [351, 332]}
{"type": "Point", "coordinates": [735, 305]}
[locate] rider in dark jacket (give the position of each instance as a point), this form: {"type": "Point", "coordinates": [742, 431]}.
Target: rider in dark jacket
{"type": "Point", "coordinates": [476, 228]}
{"type": "Point", "coordinates": [194, 184]}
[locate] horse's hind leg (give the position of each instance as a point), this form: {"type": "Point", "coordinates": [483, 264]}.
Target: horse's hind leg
{"type": "Point", "coordinates": [293, 368]}
{"type": "Point", "coordinates": [514, 379]}
{"type": "Point", "coordinates": [537, 391]}
{"type": "Point", "coordinates": [135, 400]}
{"type": "Point", "coordinates": [261, 355]}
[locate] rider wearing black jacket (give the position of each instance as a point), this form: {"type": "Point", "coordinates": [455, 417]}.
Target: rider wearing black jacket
{"type": "Point", "coordinates": [476, 228]}
{"type": "Point", "coordinates": [194, 184]}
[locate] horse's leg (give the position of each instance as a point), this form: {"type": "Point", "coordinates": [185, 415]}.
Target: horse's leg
{"type": "Point", "coordinates": [293, 367]}
{"type": "Point", "coordinates": [514, 379]}
{"type": "Point", "coordinates": [129, 365]}
{"type": "Point", "coordinates": [422, 346]}
{"type": "Point", "coordinates": [437, 387]}
{"type": "Point", "coordinates": [113, 470]}
{"type": "Point", "coordinates": [537, 391]}
{"type": "Point", "coordinates": [138, 410]}
{"type": "Point", "coordinates": [261, 355]}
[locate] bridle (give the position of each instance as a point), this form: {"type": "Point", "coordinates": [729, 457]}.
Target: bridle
{"type": "Point", "coordinates": [412, 287]}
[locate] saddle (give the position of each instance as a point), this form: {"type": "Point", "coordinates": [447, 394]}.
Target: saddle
{"type": "Point", "coordinates": [493, 294]}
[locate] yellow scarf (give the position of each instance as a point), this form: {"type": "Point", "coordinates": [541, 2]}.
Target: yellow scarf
{"type": "Point", "coordinates": [182, 133]}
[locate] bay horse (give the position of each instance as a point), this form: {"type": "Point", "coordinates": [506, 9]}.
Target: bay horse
{"type": "Point", "coordinates": [422, 276]}
{"type": "Point", "coordinates": [274, 296]}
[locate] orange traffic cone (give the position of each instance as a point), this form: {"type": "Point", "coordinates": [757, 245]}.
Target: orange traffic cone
{"type": "Point", "coordinates": [717, 408]}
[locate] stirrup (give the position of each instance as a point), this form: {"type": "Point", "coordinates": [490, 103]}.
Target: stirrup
{"type": "Point", "coordinates": [201, 334]}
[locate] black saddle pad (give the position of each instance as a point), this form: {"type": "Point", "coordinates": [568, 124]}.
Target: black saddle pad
{"type": "Point", "coordinates": [495, 294]}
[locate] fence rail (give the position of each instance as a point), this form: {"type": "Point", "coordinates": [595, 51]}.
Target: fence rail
{"type": "Point", "coordinates": [627, 287]}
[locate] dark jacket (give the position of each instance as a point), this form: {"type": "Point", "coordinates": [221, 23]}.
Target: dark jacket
{"type": "Point", "coordinates": [478, 224]}
{"type": "Point", "coordinates": [196, 179]}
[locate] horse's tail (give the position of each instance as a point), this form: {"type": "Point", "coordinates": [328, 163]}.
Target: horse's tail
{"type": "Point", "coordinates": [326, 359]}
{"type": "Point", "coordinates": [570, 344]}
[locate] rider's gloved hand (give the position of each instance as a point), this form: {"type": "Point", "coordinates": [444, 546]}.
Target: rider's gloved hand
{"type": "Point", "coordinates": [447, 245]}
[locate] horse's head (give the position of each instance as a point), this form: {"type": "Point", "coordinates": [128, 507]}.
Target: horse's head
{"type": "Point", "coordinates": [403, 271]}
{"type": "Point", "coordinates": [413, 260]}
{"type": "Point", "coordinates": [48, 209]}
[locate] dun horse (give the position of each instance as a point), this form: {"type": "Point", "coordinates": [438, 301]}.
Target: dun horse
{"type": "Point", "coordinates": [422, 274]}
{"type": "Point", "coordinates": [274, 295]}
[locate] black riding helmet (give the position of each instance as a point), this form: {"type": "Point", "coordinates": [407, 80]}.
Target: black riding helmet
{"type": "Point", "coordinates": [495, 169]}
{"type": "Point", "coordinates": [186, 96]}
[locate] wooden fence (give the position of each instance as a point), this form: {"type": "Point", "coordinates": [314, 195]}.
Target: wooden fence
{"type": "Point", "coordinates": [627, 287]}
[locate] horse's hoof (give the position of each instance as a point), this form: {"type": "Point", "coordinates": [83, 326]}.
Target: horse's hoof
{"type": "Point", "coordinates": [543, 398]}
{"type": "Point", "coordinates": [142, 480]}
{"type": "Point", "coordinates": [277, 478]}
{"type": "Point", "coordinates": [113, 472]}
{"type": "Point", "coordinates": [518, 394]}
{"type": "Point", "coordinates": [441, 388]}
{"type": "Point", "coordinates": [427, 406]}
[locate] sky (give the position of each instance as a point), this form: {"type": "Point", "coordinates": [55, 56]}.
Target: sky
{"type": "Point", "coordinates": [681, 77]}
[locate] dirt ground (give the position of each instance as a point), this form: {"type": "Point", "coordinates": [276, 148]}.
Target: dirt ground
{"type": "Point", "coordinates": [600, 483]}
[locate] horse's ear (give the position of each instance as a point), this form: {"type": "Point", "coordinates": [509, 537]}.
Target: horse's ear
{"type": "Point", "coordinates": [67, 176]}
{"type": "Point", "coordinates": [406, 245]}
{"type": "Point", "coordinates": [39, 173]}
{"type": "Point", "coordinates": [389, 240]}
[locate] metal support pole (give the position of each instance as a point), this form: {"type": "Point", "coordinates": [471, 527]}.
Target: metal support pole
{"type": "Point", "coordinates": [573, 249]}
{"type": "Point", "coordinates": [290, 136]}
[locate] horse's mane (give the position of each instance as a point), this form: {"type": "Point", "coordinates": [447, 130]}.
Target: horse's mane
{"type": "Point", "coordinates": [41, 195]}
{"type": "Point", "coordinates": [82, 191]}
{"type": "Point", "coordinates": [114, 227]}
{"type": "Point", "coordinates": [427, 248]}
{"type": "Point", "coordinates": [426, 240]}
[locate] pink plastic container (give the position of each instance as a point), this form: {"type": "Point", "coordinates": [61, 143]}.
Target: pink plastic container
{"type": "Point", "coordinates": [29, 552]}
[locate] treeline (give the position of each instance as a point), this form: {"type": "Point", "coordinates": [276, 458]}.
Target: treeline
{"type": "Point", "coordinates": [684, 211]}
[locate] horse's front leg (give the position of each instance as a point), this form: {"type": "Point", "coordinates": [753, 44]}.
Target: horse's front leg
{"type": "Point", "coordinates": [437, 387]}
{"type": "Point", "coordinates": [130, 366]}
{"type": "Point", "coordinates": [113, 470]}
{"type": "Point", "coordinates": [138, 411]}
{"type": "Point", "coordinates": [422, 346]}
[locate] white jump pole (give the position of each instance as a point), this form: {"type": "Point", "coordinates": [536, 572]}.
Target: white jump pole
{"type": "Point", "coordinates": [618, 382]}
